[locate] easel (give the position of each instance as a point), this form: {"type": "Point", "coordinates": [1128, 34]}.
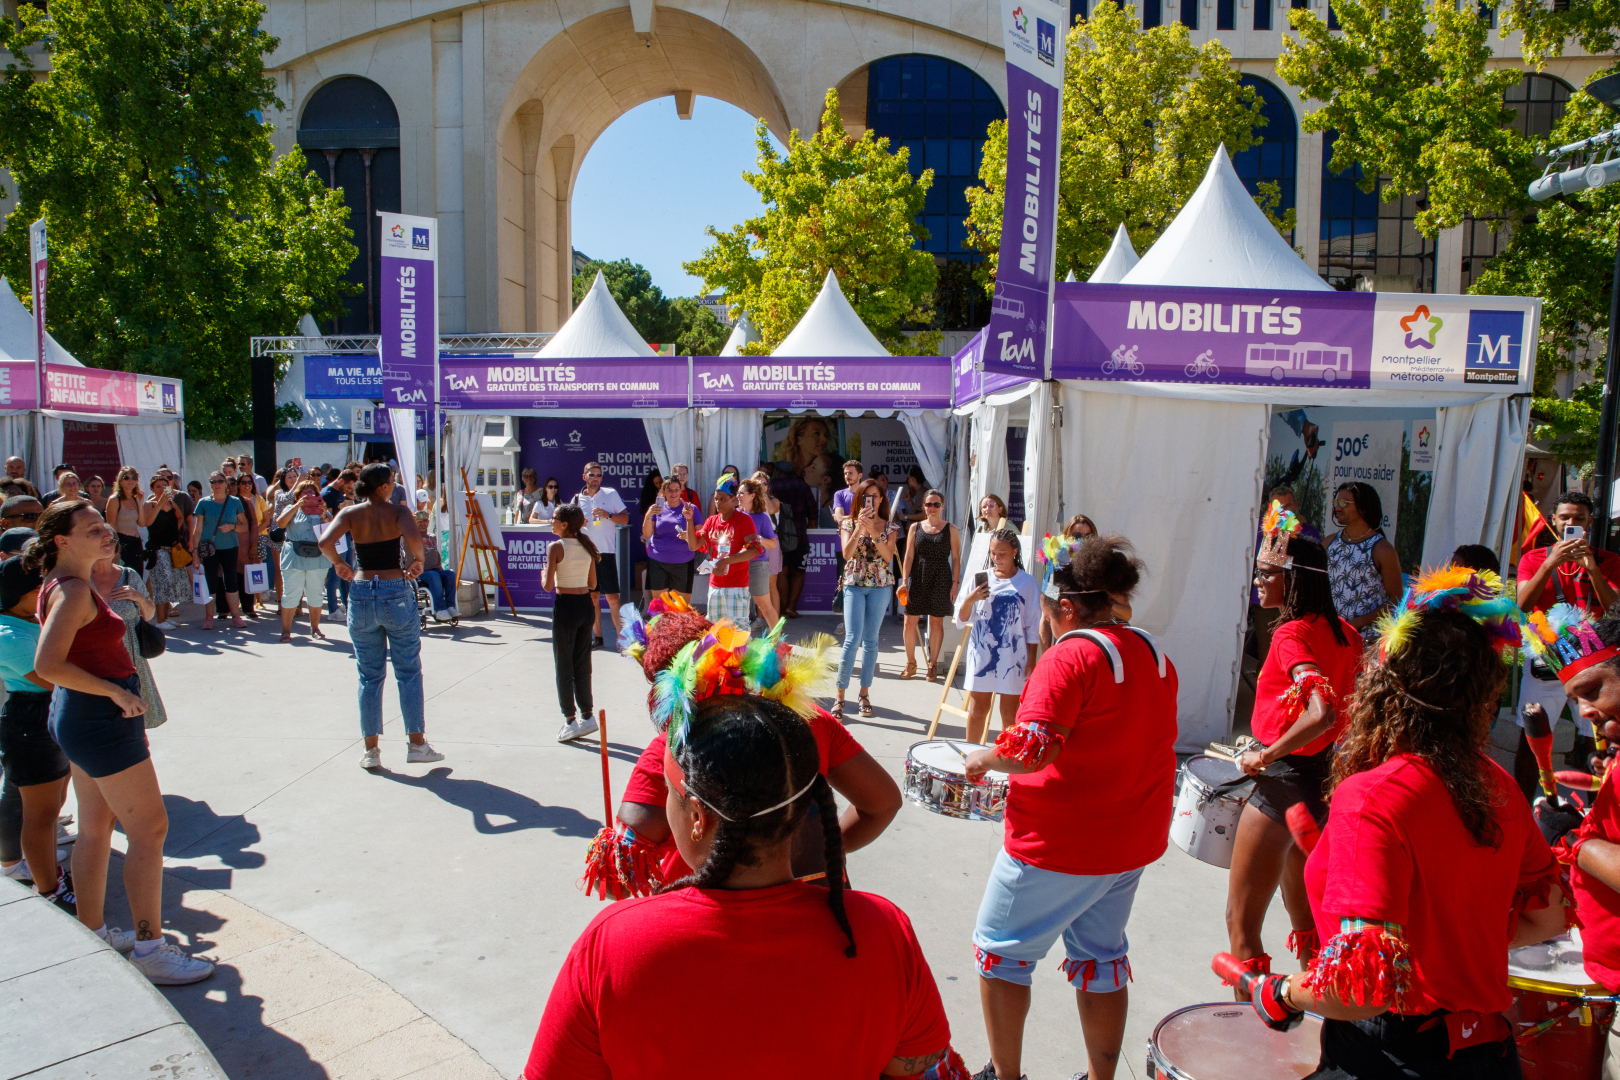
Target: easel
{"type": "Point", "coordinates": [479, 540]}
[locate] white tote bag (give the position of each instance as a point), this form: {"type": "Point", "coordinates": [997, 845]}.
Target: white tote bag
{"type": "Point", "coordinates": [255, 577]}
{"type": "Point", "coordinates": [199, 585]}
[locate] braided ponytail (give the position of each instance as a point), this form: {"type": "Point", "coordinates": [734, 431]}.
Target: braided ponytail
{"type": "Point", "coordinates": [833, 841]}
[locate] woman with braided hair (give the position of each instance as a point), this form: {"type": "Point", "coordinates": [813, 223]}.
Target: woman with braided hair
{"type": "Point", "coordinates": [1430, 867]}
{"type": "Point", "coordinates": [1301, 701]}
{"type": "Point", "coordinates": [739, 937]}
{"type": "Point", "coordinates": [642, 852]}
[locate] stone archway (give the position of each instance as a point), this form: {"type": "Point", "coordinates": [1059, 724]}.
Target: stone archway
{"type": "Point", "coordinates": [578, 83]}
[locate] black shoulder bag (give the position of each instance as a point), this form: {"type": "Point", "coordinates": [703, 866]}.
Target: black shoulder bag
{"type": "Point", "coordinates": [148, 638]}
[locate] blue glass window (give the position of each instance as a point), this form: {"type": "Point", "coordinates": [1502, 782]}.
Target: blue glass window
{"type": "Point", "coordinates": [1364, 237]}
{"type": "Point", "coordinates": [939, 110]}
{"type": "Point", "coordinates": [1273, 159]}
{"type": "Point", "coordinates": [1262, 14]}
{"type": "Point", "coordinates": [1225, 15]}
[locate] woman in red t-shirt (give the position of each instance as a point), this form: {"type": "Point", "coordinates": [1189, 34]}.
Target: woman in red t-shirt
{"type": "Point", "coordinates": [648, 857]}
{"type": "Point", "coordinates": [1429, 870]}
{"type": "Point", "coordinates": [1300, 700]}
{"type": "Point", "coordinates": [810, 981]}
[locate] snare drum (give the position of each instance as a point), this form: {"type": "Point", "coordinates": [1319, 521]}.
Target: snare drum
{"type": "Point", "coordinates": [936, 777]}
{"type": "Point", "coordinates": [1548, 982]}
{"type": "Point", "coordinates": [1206, 820]}
{"type": "Point", "coordinates": [1227, 1041]}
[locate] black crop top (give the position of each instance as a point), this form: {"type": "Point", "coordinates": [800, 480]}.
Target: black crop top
{"type": "Point", "coordinates": [379, 555]}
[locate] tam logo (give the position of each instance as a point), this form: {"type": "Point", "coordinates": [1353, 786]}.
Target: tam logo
{"type": "Point", "coordinates": [548, 444]}
{"type": "Point", "coordinates": [462, 382]}
{"type": "Point", "coordinates": [413, 397]}
{"type": "Point", "coordinates": [1421, 328]}
{"type": "Point", "coordinates": [710, 382]}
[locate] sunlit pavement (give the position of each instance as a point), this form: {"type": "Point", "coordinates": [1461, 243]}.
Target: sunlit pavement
{"type": "Point", "coordinates": [410, 922]}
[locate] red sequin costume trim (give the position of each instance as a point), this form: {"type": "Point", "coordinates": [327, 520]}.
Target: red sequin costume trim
{"type": "Point", "coordinates": [620, 865]}
{"type": "Point", "coordinates": [1027, 742]}
{"type": "Point", "coordinates": [1304, 944]}
{"type": "Point", "coordinates": [1298, 695]}
{"type": "Point", "coordinates": [1366, 963]}
{"type": "Point", "coordinates": [1087, 970]}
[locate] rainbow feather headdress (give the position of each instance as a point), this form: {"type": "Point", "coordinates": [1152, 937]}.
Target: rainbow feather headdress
{"type": "Point", "coordinates": [1479, 594]}
{"type": "Point", "coordinates": [633, 629]}
{"type": "Point", "coordinates": [727, 661]}
{"type": "Point", "coordinates": [1054, 553]}
{"type": "Point", "coordinates": [1564, 639]}
{"type": "Point", "coordinates": [1279, 526]}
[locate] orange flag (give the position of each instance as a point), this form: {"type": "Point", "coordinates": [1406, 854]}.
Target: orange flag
{"type": "Point", "coordinates": [1530, 523]}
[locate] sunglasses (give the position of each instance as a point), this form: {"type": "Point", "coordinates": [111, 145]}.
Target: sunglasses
{"type": "Point", "coordinates": [551, 487]}
{"type": "Point", "coordinates": [593, 475]}
{"type": "Point", "coordinates": [932, 505]}
{"type": "Point", "coordinates": [22, 517]}
{"type": "Point", "coordinates": [211, 483]}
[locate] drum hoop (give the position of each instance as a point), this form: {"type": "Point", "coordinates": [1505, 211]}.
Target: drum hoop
{"type": "Point", "coordinates": [1590, 990]}
{"type": "Point", "coordinates": [1153, 1040]}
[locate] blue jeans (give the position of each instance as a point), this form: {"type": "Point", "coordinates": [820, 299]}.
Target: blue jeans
{"type": "Point", "coordinates": [383, 622]}
{"type": "Point", "coordinates": [336, 585]}
{"type": "Point", "coordinates": [440, 583]}
{"type": "Point", "coordinates": [863, 618]}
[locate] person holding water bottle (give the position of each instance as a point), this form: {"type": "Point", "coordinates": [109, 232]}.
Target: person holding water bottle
{"type": "Point", "coordinates": [728, 538]}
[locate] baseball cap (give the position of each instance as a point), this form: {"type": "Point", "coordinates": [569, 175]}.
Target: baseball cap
{"type": "Point", "coordinates": [14, 540]}
{"type": "Point", "coordinates": [16, 581]}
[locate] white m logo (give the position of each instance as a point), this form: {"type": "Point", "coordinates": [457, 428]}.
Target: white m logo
{"type": "Point", "coordinates": [1497, 352]}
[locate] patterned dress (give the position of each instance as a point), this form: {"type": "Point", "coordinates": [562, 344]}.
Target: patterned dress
{"type": "Point", "coordinates": [1357, 583]}
{"type": "Point", "coordinates": [130, 612]}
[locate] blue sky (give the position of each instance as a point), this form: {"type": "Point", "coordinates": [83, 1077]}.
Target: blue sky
{"type": "Point", "coordinates": [653, 181]}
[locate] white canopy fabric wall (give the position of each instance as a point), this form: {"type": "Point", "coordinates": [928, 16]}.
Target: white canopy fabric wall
{"type": "Point", "coordinates": [16, 434]}
{"type": "Point", "coordinates": [930, 433]}
{"type": "Point", "coordinates": [1191, 518]}
{"type": "Point", "coordinates": [674, 441]}
{"type": "Point", "coordinates": [1478, 470]}
{"type": "Point", "coordinates": [728, 437]}
{"type": "Point", "coordinates": [146, 446]}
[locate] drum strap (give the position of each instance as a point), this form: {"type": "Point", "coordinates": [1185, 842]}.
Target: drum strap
{"type": "Point", "coordinates": [1115, 662]}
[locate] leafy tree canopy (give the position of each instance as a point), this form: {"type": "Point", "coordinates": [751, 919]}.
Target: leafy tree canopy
{"type": "Point", "coordinates": [173, 236]}
{"type": "Point", "coordinates": [832, 203]}
{"type": "Point", "coordinates": [1143, 113]}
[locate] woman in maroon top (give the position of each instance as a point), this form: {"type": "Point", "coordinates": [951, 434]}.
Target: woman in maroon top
{"type": "Point", "coordinates": [1300, 701]}
{"type": "Point", "coordinates": [95, 717]}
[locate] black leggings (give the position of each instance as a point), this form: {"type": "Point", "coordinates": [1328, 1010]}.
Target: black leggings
{"type": "Point", "coordinates": [220, 569]}
{"type": "Point", "coordinates": [573, 624]}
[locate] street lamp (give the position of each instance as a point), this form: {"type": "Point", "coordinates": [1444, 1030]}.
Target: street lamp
{"type": "Point", "coordinates": [1593, 163]}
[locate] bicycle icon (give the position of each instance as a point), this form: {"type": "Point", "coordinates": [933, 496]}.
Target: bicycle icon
{"type": "Point", "coordinates": [1203, 365]}
{"type": "Point", "coordinates": [1123, 360]}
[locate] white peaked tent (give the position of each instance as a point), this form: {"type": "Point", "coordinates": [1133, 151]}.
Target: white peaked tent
{"type": "Point", "coordinates": [596, 328]}
{"type": "Point", "coordinates": [1119, 261]}
{"type": "Point", "coordinates": [1069, 277]}
{"type": "Point", "coordinates": [830, 328]}
{"type": "Point", "coordinates": [744, 333]}
{"type": "Point", "coordinates": [1221, 239]}
{"type": "Point", "coordinates": [17, 333]}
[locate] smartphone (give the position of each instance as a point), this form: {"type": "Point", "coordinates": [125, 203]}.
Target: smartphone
{"type": "Point", "coordinates": [981, 579]}
{"type": "Point", "coordinates": [1574, 532]}
{"type": "Point", "coordinates": [870, 502]}
{"type": "Point", "coordinates": [663, 504]}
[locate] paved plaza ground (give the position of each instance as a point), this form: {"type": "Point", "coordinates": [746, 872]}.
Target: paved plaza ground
{"type": "Point", "coordinates": [410, 922]}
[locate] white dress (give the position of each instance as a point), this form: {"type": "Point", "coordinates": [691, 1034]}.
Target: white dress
{"type": "Point", "coordinates": [1000, 627]}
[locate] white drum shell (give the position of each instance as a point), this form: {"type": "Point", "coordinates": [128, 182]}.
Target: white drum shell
{"type": "Point", "coordinates": [1204, 824]}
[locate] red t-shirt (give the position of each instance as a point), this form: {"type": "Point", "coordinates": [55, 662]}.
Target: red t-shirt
{"type": "Point", "coordinates": [647, 784]}
{"type": "Point", "coordinates": [1575, 579]}
{"type": "Point", "coordinates": [1597, 905]}
{"type": "Point", "coordinates": [741, 530]}
{"type": "Point", "coordinates": [767, 964]}
{"type": "Point", "coordinates": [1103, 805]}
{"type": "Point", "coordinates": [1396, 850]}
{"type": "Point", "coordinates": [1306, 641]}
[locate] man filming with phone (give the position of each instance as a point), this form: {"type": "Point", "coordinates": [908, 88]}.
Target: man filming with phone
{"type": "Point", "coordinates": [1570, 571]}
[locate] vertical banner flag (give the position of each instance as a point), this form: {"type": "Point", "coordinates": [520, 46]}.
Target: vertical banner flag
{"type": "Point", "coordinates": [37, 260]}
{"type": "Point", "coordinates": [410, 310]}
{"type": "Point", "coordinates": [1016, 339]}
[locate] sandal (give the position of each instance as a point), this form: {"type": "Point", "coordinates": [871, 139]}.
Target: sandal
{"type": "Point", "coordinates": [838, 709]}
{"type": "Point", "coordinates": [866, 705]}
{"type": "Point", "coordinates": [911, 670]}
{"type": "Point", "coordinates": [933, 671]}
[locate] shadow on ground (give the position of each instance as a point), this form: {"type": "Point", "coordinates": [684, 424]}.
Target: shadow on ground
{"type": "Point", "coordinates": [485, 801]}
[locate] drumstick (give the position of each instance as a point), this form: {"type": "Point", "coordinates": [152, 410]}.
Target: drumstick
{"type": "Point", "coordinates": [1538, 733]}
{"type": "Point", "coordinates": [1580, 781]}
{"type": "Point", "coordinates": [1302, 824]}
{"type": "Point", "coordinates": [607, 783]}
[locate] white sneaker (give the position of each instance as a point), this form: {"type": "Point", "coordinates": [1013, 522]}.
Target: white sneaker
{"type": "Point", "coordinates": [577, 729]}
{"type": "Point", "coordinates": [167, 624]}
{"type": "Point", "coordinates": [168, 966]}
{"type": "Point", "coordinates": [444, 616]}
{"type": "Point", "coordinates": [18, 871]}
{"type": "Point", "coordinates": [422, 751]}
{"type": "Point", "coordinates": [371, 759]}
{"type": "Point", "coordinates": [122, 940]}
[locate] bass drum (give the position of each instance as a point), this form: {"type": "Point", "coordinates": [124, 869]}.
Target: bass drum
{"type": "Point", "coordinates": [1227, 1041]}
{"type": "Point", "coordinates": [1560, 1035]}
{"type": "Point", "coordinates": [1207, 812]}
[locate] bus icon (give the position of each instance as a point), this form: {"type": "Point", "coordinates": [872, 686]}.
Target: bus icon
{"type": "Point", "coordinates": [1301, 360]}
{"type": "Point", "coordinates": [1003, 304]}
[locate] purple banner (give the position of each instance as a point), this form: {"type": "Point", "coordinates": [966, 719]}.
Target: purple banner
{"type": "Point", "coordinates": [1231, 337]}
{"type": "Point", "coordinates": [1017, 335]}
{"type": "Point", "coordinates": [409, 309]}
{"type": "Point", "coordinates": [827, 382]}
{"type": "Point", "coordinates": [971, 384]}
{"type": "Point", "coordinates": [820, 571]}
{"type": "Point", "coordinates": [501, 382]}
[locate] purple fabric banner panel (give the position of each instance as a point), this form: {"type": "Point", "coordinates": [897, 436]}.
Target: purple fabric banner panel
{"type": "Point", "coordinates": [1033, 33]}
{"type": "Point", "coordinates": [827, 382]}
{"type": "Point", "coordinates": [493, 383]}
{"type": "Point", "coordinates": [1230, 337]}
{"type": "Point", "coordinates": [410, 301]}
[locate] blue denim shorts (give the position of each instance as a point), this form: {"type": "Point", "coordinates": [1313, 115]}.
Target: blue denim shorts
{"type": "Point", "coordinates": [94, 734]}
{"type": "Point", "coordinates": [1025, 909]}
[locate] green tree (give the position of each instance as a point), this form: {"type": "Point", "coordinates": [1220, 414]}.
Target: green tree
{"type": "Point", "coordinates": [1594, 25]}
{"type": "Point", "coordinates": [1143, 112]}
{"type": "Point", "coordinates": [681, 321]}
{"type": "Point", "coordinates": [1406, 85]}
{"type": "Point", "coordinates": [832, 203]}
{"type": "Point", "coordinates": [174, 236]}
